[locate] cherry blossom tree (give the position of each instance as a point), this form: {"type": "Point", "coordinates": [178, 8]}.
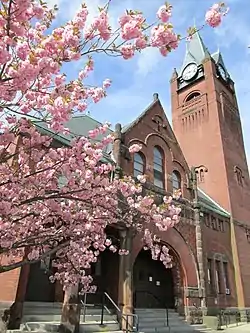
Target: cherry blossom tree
{"type": "Point", "coordinates": [58, 201]}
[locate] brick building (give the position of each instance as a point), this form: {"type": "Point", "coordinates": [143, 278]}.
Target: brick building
{"type": "Point", "coordinates": [204, 156]}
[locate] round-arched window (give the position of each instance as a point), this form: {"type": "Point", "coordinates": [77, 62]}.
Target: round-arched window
{"type": "Point", "coordinates": [176, 180]}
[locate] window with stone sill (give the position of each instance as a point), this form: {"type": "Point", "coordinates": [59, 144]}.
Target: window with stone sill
{"type": "Point", "coordinates": [226, 277]}
{"type": "Point", "coordinates": [218, 276]}
{"type": "Point", "coordinates": [176, 180]}
{"type": "Point", "coordinates": [158, 167]}
{"type": "Point", "coordinates": [210, 276]}
{"type": "Point", "coordinates": [139, 164]}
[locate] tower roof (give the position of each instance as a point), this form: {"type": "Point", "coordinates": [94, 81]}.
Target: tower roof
{"type": "Point", "coordinates": [196, 50]}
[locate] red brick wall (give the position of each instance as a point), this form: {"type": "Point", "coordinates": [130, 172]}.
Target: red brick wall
{"type": "Point", "coordinates": [8, 284]}
{"type": "Point", "coordinates": [219, 242]}
{"type": "Point", "coordinates": [217, 136]}
{"type": "Point", "coordinates": [146, 133]}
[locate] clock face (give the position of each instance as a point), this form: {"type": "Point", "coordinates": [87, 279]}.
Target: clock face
{"type": "Point", "coordinates": [222, 72]}
{"type": "Point", "coordinates": [189, 72]}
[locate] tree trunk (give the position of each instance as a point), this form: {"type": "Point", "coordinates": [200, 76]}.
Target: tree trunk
{"type": "Point", "coordinates": [70, 319]}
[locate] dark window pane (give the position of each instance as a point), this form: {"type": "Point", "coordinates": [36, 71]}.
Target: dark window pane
{"type": "Point", "coordinates": [176, 180]}
{"type": "Point", "coordinates": [158, 168]}
{"type": "Point", "coordinates": [139, 165]}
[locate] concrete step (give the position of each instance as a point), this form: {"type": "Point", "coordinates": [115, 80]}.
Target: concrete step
{"type": "Point", "coordinates": [84, 327]}
{"type": "Point", "coordinates": [57, 310]}
{"type": "Point", "coordinates": [57, 317]}
{"type": "Point", "coordinates": [162, 320]}
{"type": "Point", "coordinates": [137, 310]}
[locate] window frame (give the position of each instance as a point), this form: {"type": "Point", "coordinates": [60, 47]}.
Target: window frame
{"type": "Point", "coordinates": [178, 179]}
{"type": "Point", "coordinates": [158, 174]}
{"type": "Point", "coordinates": [210, 277]}
{"type": "Point", "coordinates": [138, 171]}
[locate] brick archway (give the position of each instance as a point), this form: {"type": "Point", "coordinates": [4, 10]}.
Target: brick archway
{"type": "Point", "coordinates": [186, 272]}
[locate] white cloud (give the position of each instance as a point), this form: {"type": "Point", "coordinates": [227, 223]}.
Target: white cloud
{"type": "Point", "coordinates": [148, 61]}
{"type": "Point", "coordinates": [234, 29]}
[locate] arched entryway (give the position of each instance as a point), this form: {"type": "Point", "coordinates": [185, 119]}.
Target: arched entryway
{"type": "Point", "coordinates": [39, 286]}
{"type": "Point", "coordinates": [105, 275]}
{"type": "Point", "coordinates": [154, 285]}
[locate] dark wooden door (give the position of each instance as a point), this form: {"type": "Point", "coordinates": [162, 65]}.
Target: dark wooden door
{"type": "Point", "coordinates": [153, 283]}
{"type": "Point", "coordinates": [39, 288]}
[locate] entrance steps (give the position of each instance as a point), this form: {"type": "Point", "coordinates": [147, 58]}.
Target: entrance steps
{"type": "Point", "coordinates": [155, 321]}
{"type": "Point", "coordinates": [45, 318]}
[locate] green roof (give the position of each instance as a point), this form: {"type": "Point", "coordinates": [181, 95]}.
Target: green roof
{"type": "Point", "coordinates": [207, 202]}
{"type": "Point", "coordinates": [78, 126]}
{"type": "Point", "coordinates": [196, 51]}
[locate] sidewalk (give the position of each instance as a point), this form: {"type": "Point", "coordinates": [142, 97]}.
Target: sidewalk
{"type": "Point", "coordinates": [237, 329]}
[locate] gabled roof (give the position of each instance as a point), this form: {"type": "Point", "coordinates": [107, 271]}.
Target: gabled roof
{"type": "Point", "coordinates": [207, 202]}
{"type": "Point", "coordinates": [127, 127]}
{"type": "Point", "coordinates": [196, 51]}
{"type": "Point", "coordinates": [78, 126]}
{"type": "Point", "coordinates": [162, 114]}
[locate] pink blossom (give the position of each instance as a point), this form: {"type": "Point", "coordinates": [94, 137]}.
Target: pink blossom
{"type": "Point", "coordinates": [127, 51]}
{"type": "Point", "coordinates": [164, 13]}
{"type": "Point", "coordinates": [141, 43]}
{"type": "Point", "coordinates": [214, 15]}
{"type": "Point", "coordinates": [108, 242]}
{"type": "Point", "coordinates": [59, 79]}
{"type": "Point", "coordinates": [135, 148]}
{"type": "Point", "coordinates": [106, 83]}
{"type": "Point", "coordinates": [142, 178]}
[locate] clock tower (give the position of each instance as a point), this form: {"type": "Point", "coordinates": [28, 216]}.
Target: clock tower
{"type": "Point", "coordinates": [207, 124]}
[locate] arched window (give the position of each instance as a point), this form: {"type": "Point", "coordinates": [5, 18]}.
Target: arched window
{"type": "Point", "coordinates": [192, 96]}
{"type": "Point", "coordinates": [139, 164]}
{"type": "Point", "coordinates": [158, 168]}
{"type": "Point", "coordinates": [176, 180]}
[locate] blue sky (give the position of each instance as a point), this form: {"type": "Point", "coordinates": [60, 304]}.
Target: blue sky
{"type": "Point", "coordinates": [135, 81]}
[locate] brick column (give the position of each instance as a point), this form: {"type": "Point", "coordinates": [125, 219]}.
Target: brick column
{"type": "Point", "coordinates": [200, 259]}
{"type": "Point", "coordinates": [199, 242]}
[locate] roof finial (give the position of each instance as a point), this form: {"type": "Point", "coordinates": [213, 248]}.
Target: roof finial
{"type": "Point", "coordinates": [156, 96]}
{"type": "Point", "coordinates": [174, 74]}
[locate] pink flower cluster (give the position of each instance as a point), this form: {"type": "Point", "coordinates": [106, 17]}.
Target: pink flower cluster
{"type": "Point", "coordinates": [133, 27]}
{"type": "Point", "coordinates": [215, 13]}
{"type": "Point", "coordinates": [164, 13]}
{"type": "Point", "coordinates": [135, 148]}
{"type": "Point", "coordinates": [66, 198]}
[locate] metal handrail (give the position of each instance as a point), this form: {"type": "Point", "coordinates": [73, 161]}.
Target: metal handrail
{"type": "Point", "coordinates": [225, 316]}
{"type": "Point", "coordinates": [120, 315]}
{"type": "Point", "coordinates": [159, 302]}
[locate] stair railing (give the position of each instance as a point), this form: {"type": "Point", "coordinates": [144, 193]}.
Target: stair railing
{"type": "Point", "coordinates": [159, 301]}
{"type": "Point", "coordinates": [131, 320]}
